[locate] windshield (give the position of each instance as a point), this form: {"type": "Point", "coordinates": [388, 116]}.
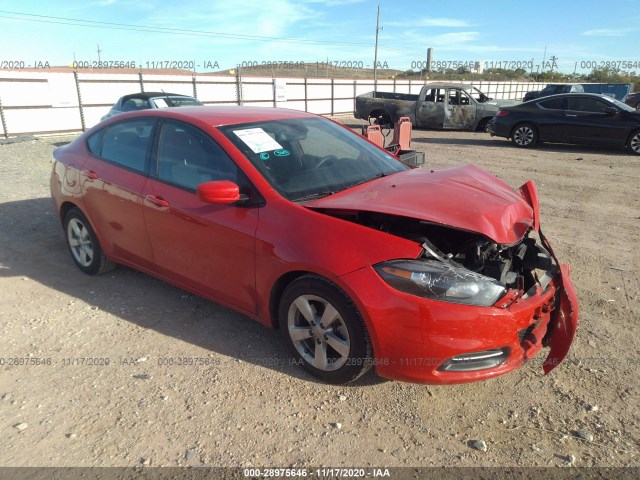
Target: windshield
{"type": "Point", "coordinates": [619, 104]}
{"type": "Point", "coordinates": [311, 157]}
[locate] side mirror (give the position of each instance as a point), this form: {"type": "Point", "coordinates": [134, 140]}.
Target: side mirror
{"type": "Point", "coordinates": [219, 192]}
{"type": "Point", "coordinates": [610, 110]}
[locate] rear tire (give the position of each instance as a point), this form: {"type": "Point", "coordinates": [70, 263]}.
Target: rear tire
{"type": "Point", "coordinates": [83, 244]}
{"type": "Point", "coordinates": [324, 330]}
{"type": "Point", "coordinates": [634, 142]}
{"type": "Point", "coordinates": [524, 135]}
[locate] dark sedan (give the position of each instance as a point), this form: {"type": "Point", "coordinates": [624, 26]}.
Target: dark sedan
{"type": "Point", "coordinates": [578, 118]}
{"type": "Point", "coordinates": [146, 100]}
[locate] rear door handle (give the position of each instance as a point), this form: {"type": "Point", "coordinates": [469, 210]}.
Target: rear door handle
{"type": "Point", "coordinates": [157, 201]}
{"type": "Point", "coordinates": [91, 174]}
{"type": "Point", "coordinates": [569, 115]}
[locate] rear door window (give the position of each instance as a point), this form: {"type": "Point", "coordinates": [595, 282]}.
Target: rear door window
{"type": "Point", "coordinates": [128, 143]}
{"type": "Point", "coordinates": [554, 104]}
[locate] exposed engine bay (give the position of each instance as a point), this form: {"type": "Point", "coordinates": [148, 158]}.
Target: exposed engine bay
{"type": "Point", "coordinates": [524, 266]}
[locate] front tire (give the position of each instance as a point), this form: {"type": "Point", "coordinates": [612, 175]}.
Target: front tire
{"type": "Point", "coordinates": [634, 142]}
{"type": "Point", "coordinates": [83, 244]}
{"type": "Point", "coordinates": [484, 125]}
{"type": "Point", "coordinates": [324, 330]}
{"type": "Point", "coordinates": [524, 135]}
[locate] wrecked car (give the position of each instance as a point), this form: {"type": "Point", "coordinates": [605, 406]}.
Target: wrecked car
{"type": "Point", "coordinates": [300, 223]}
{"type": "Point", "coordinates": [438, 105]}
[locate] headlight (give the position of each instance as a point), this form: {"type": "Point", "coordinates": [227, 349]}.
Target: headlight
{"type": "Point", "coordinates": [440, 281]}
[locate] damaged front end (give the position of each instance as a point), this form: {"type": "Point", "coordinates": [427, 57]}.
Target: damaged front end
{"type": "Point", "coordinates": [523, 279]}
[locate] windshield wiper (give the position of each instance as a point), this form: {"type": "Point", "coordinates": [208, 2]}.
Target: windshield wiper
{"type": "Point", "coordinates": [314, 195]}
{"type": "Point", "coordinates": [366, 180]}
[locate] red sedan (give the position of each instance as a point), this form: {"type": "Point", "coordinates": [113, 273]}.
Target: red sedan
{"type": "Point", "coordinates": [294, 220]}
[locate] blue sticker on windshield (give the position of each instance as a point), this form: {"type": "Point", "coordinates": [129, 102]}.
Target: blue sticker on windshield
{"type": "Point", "coordinates": [264, 156]}
{"type": "Point", "coordinates": [281, 153]}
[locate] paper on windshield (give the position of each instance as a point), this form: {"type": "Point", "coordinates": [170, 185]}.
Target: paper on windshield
{"type": "Point", "coordinates": [160, 102]}
{"type": "Point", "coordinates": [257, 140]}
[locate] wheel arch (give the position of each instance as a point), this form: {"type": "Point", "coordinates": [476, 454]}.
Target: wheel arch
{"type": "Point", "coordinates": [64, 209]}
{"type": "Point", "coordinates": [278, 289]}
{"type": "Point", "coordinates": [281, 284]}
{"type": "Point", "coordinates": [381, 112]}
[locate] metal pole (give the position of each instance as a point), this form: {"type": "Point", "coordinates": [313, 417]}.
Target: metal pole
{"type": "Point", "coordinates": [306, 98]}
{"type": "Point", "coordinates": [332, 95]}
{"type": "Point", "coordinates": [195, 88]}
{"type": "Point", "coordinates": [375, 57]}
{"type": "Point", "coordinates": [75, 76]}
{"type": "Point", "coordinates": [273, 81]}
{"type": "Point", "coordinates": [4, 122]}
{"type": "Point", "coordinates": [141, 81]}
{"type": "Point", "coordinates": [355, 91]}
{"type": "Point", "coordinates": [238, 86]}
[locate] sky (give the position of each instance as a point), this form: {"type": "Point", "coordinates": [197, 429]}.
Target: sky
{"type": "Point", "coordinates": [564, 35]}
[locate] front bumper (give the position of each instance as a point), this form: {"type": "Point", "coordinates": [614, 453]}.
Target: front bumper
{"type": "Point", "coordinates": [415, 338]}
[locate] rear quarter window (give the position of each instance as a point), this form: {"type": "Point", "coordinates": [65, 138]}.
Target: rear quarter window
{"type": "Point", "coordinates": [94, 142]}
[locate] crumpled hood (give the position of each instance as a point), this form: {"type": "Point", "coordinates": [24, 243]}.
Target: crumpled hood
{"type": "Point", "coordinates": [466, 198]}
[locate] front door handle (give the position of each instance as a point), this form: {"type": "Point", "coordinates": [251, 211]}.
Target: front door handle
{"type": "Point", "coordinates": [157, 200]}
{"type": "Point", "coordinates": [570, 115]}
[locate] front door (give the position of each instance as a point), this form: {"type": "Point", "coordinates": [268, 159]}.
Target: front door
{"type": "Point", "coordinates": [430, 108]}
{"type": "Point", "coordinates": [459, 110]}
{"type": "Point", "coordinates": [207, 247]}
{"type": "Point", "coordinates": [588, 122]}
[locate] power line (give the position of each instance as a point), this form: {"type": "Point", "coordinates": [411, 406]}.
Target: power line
{"type": "Point", "coordinates": [173, 31]}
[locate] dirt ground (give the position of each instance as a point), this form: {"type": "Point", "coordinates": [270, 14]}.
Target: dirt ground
{"type": "Point", "coordinates": [239, 403]}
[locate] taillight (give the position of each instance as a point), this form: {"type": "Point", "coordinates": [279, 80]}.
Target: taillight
{"type": "Point", "coordinates": [502, 113]}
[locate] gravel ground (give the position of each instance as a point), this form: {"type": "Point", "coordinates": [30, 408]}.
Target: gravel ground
{"type": "Point", "coordinates": [241, 404]}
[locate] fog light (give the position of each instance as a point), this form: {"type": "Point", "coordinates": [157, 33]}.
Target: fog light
{"type": "Point", "coordinates": [469, 362]}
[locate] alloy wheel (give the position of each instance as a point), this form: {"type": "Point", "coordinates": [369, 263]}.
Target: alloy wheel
{"type": "Point", "coordinates": [318, 332]}
{"type": "Point", "coordinates": [80, 242]}
{"type": "Point", "coordinates": [523, 136]}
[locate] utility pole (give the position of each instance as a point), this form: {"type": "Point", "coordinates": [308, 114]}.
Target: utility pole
{"type": "Point", "coordinates": [99, 51]}
{"type": "Point", "coordinates": [375, 58]}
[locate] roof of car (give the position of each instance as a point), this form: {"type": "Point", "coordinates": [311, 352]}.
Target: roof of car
{"type": "Point", "coordinates": [224, 115]}
{"type": "Point", "coordinates": [464, 86]}
{"type": "Point", "coordinates": [149, 95]}
{"type": "Point", "coordinates": [567, 95]}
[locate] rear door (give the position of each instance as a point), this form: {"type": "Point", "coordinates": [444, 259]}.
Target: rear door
{"type": "Point", "coordinates": [112, 180]}
{"type": "Point", "coordinates": [207, 247]}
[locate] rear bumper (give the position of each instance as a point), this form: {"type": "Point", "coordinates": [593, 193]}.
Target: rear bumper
{"type": "Point", "coordinates": [499, 129]}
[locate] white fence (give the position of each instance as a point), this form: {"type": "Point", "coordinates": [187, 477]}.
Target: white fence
{"type": "Point", "coordinates": [40, 103]}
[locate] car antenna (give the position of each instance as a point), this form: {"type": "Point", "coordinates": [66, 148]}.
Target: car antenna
{"type": "Point", "coordinates": [168, 99]}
